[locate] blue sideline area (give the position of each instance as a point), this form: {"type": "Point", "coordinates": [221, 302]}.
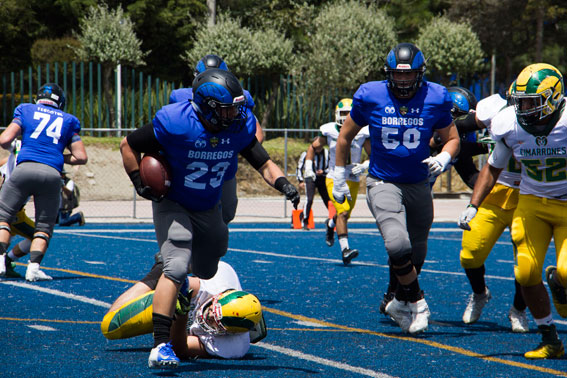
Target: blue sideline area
{"type": "Point", "coordinates": [323, 317]}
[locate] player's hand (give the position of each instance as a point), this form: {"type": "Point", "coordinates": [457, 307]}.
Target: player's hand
{"type": "Point", "coordinates": [183, 305]}
{"type": "Point", "coordinates": [340, 187]}
{"type": "Point", "coordinates": [143, 191]}
{"type": "Point", "coordinates": [467, 216]}
{"type": "Point", "coordinates": [291, 194]}
{"type": "Point", "coordinates": [437, 164]}
{"type": "Point", "coordinates": [308, 172]}
{"type": "Point", "coordinates": [359, 169]}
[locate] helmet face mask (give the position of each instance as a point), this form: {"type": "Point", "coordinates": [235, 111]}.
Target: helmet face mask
{"type": "Point", "coordinates": [233, 311]}
{"type": "Point", "coordinates": [51, 94]}
{"type": "Point", "coordinates": [405, 66]}
{"type": "Point", "coordinates": [342, 110]}
{"type": "Point", "coordinates": [219, 100]}
{"type": "Point", "coordinates": [537, 94]}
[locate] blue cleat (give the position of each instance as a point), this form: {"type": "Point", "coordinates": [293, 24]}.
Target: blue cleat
{"type": "Point", "coordinates": [163, 356]}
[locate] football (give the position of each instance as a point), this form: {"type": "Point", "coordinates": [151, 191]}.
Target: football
{"type": "Point", "coordinates": [155, 173]}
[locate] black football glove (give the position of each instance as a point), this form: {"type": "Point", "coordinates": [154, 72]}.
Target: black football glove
{"type": "Point", "coordinates": [144, 191]}
{"type": "Point", "coordinates": [287, 188]}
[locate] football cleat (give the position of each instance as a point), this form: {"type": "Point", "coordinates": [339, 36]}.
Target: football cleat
{"type": "Point", "coordinates": [400, 312]}
{"type": "Point", "coordinates": [474, 307]}
{"type": "Point", "coordinates": [81, 218]}
{"type": "Point", "coordinates": [518, 320]}
{"type": "Point", "coordinates": [349, 255]}
{"type": "Point", "coordinates": [546, 350]}
{"type": "Point", "coordinates": [10, 269]}
{"type": "Point", "coordinates": [387, 299]}
{"type": "Point", "coordinates": [557, 291]}
{"type": "Point", "coordinates": [163, 356]}
{"type": "Point", "coordinates": [419, 315]}
{"type": "Point", "coordinates": [33, 273]}
{"type": "Point", "coordinates": [330, 236]}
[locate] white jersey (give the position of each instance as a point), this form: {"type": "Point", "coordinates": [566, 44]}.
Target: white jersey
{"type": "Point", "coordinates": [223, 346]}
{"type": "Point", "coordinates": [331, 132]}
{"type": "Point", "coordinates": [7, 169]}
{"type": "Point", "coordinates": [543, 158]}
{"type": "Point", "coordinates": [486, 111]}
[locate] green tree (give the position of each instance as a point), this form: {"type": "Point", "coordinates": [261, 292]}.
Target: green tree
{"type": "Point", "coordinates": [107, 37]}
{"type": "Point", "coordinates": [450, 48]}
{"type": "Point", "coordinates": [349, 45]}
{"type": "Point", "coordinates": [54, 50]}
{"type": "Point", "coordinates": [246, 52]}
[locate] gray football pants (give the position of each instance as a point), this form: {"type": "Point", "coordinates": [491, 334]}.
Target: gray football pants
{"type": "Point", "coordinates": [41, 181]}
{"type": "Point", "coordinates": [404, 214]}
{"type": "Point", "coordinates": [189, 241]}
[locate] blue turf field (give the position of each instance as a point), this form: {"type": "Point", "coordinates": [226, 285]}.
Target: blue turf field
{"type": "Point", "coordinates": [323, 317]}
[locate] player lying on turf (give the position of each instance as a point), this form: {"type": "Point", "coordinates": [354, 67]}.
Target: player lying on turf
{"type": "Point", "coordinates": [214, 317]}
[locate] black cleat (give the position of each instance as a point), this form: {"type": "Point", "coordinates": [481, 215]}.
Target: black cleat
{"type": "Point", "coordinates": [349, 255]}
{"type": "Point", "coordinates": [330, 237]}
{"type": "Point", "coordinates": [387, 299]}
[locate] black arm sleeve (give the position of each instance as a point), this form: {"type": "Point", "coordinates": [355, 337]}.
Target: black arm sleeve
{"type": "Point", "coordinates": [467, 123]}
{"type": "Point", "coordinates": [144, 139]}
{"type": "Point", "coordinates": [255, 154]}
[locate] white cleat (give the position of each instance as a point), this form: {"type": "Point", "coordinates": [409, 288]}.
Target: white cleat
{"type": "Point", "coordinates": [474, 307]}
{"type": "Point", "coordinates": [400, 313]}
{"type": "Point", "coordinates": [2, 265]}
{"type": "Point", "coordinates": [163, 356]}
{"type": "Point", "coordinates": [518, 320]}
{"type": "Point", "coordinates": [34, 274]}
{"type": "Point", "coordinates": [420, 316]}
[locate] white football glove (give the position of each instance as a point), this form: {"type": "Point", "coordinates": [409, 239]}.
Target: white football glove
{"type": "Point", "coordinates": [437, 164]}
{"type": "Point", "coordinates": [308, 172]}
{"type": "Point", "coordinates": [359, 169]}
{"type": "Point", "coordinates": [340, 187]}
{"type": "Point", "coordinates": [467, 216]}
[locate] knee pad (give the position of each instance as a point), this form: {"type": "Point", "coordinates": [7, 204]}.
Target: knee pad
{"type": "Point", "coordinates": [42, 235]}
{"type": "Point", "coordinates": [402, 265]}
{"type": "Point", "coordinates": [525, 273]}
{"type": "Point", "coordinates": [397, 245]}
{"type": "Point", "coordinates": [204, 272]}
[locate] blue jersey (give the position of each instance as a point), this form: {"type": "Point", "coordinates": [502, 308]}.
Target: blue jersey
{"type": "Point", "coordinates": [400, 130]}
{"type": "Point", "coordinates": [46, 131]}
{"type": "Point", "coordinates": [200, 160]}
{"type": "Point", "coordinates": [186, 94]}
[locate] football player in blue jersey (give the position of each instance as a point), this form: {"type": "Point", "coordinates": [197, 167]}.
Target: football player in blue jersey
{"type": "Point", "coordinates": [402, 112]}
{"type": "Point", "coordinates": [46, 132]}
{"type": "Point", "coordinates": [229, 200]}
{"type": "Point", "coordinates": [200, 140]}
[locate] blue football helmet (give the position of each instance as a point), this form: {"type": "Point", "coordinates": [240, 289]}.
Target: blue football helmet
{"type": "Point", "coordinates": [463, 101]}
{"type": "Point", "coordinates": [218, 98]}
{"type": "Point", "coordinates": [51, 94]}
{"type": "Point", "coordinates": [210, 61]}
{"type": "Point", "coordinates": [405, 58]}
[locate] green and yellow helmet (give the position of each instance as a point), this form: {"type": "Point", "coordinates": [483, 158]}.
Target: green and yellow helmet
{"type": "Point", "coordinates": [537, 93]}
{"type": "Point", "coordinates": [342, 110]}
{"type": "Point", "coordinates": [233, 311]}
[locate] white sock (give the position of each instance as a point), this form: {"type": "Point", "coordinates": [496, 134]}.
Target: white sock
{"type": "Point", "coordinates": [548, 320]}
{"type": "Point", "coordinates": [343, 241]}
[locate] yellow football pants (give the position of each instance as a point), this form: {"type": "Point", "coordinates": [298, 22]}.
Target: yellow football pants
{"type": "Point", "coordinates": [134, 318]}
{"type": "Point", "coordinates": [348, 205]}
{"type": "Point", "coordinates": [493, 216]}
{"type": "Point", "coordinates": [23, 225]}
{"type": "Point", "coordinates": [536, 221]}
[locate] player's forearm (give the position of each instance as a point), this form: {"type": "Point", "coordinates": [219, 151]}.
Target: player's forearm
{"type": "Point", "coordinates": [484, 184]}
{"type": "Point", "coordinates": [270, 172]}
{"type": "Point", "coordinates": [130, 158]}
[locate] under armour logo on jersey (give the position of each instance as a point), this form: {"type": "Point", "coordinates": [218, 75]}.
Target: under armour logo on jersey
{"type": "Point", "coordinates": [414, 110]}
{"type": "Point", "coordinates": [200, 143]}
{"type": "Point", "coordinates": [541, 141]}
{"type": "Point", "coordinates": [225, 141]}
{"type": "Point", "coordinates": [390, 110]}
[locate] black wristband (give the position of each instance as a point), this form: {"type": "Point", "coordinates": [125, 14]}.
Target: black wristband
{"type": "Point", "coordinates": [135, 177]}
{"type": "Point", "coordinates": [280, 183]}
{"type": "Point", "coordinates": [471, 205]}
